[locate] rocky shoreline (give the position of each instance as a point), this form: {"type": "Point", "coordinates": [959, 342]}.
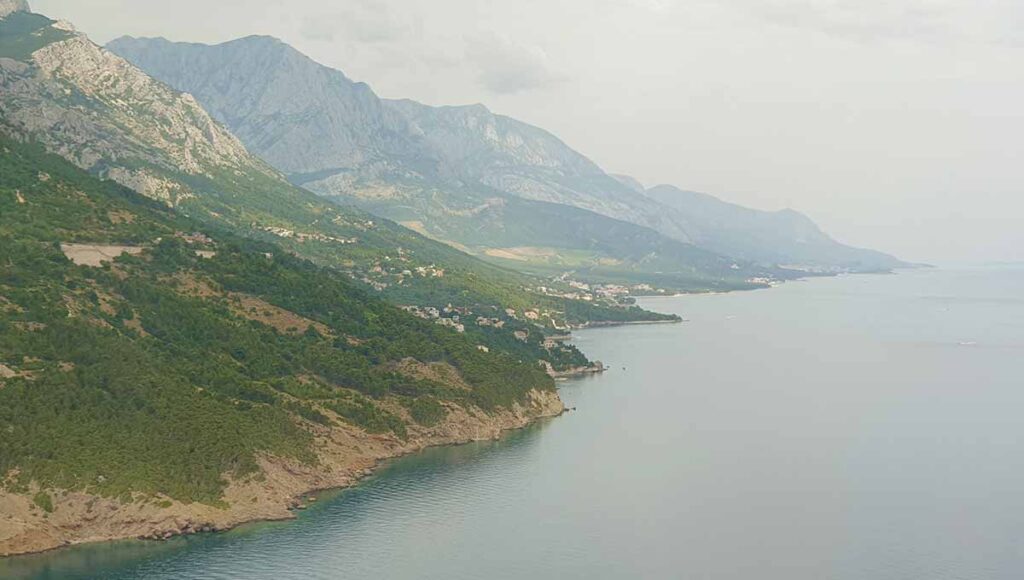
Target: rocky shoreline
{"type": "Point", "coordinates": [346, 455]}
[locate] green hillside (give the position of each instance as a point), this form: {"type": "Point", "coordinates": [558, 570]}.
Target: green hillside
{"type": "Point", "coordinates": [549, 239]}
{"type": "Point", "coordinates": [189, 355]}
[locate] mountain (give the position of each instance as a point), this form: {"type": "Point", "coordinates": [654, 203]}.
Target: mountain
{"type": "Point", "coordinates": [111, 119]}
{"type": "Point", "coordinates": [458, 174]}
{"type": "Point", "coordinates": [785, 236]}
{"type": "Point", "coordinates": [155, 373]}
{"type": "Point", "coordinates": [630, 182]}
{"type": "Point", "coordinates": [332, 134]}
{"type": "Point", "coordinates": [285, 105]}
{"type": "Point", "coordinates": [422, 165]}
{"type": "Point", "coordinates": [526, 161]}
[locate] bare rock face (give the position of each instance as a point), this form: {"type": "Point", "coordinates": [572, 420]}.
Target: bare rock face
{"type": "Point", "coordinates": [108, 117]}
{"type": "Point", "coordinates": [11, 6]}
{"type": "Point", "coordinates": [172, 122]}
{"type": "Point", "coordinates": [281, 103]}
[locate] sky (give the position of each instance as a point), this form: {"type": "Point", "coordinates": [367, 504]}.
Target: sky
{"type": "Point", "coordinates": [896, 125]}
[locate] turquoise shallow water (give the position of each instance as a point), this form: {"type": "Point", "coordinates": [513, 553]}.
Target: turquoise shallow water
{"type": "Point", "coordinates": [863, 427]}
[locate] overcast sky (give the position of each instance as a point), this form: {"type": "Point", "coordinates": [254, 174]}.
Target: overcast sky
{"type": "Point", "coordinates": [895, 124]}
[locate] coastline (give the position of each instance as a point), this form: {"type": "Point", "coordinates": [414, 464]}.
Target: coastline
{"type": "Point", "coordinates": [612, 324]}
{"type": "Point", "coordinates": [594, 369]}
{"type": "Point", "coordinates": [346, 456]}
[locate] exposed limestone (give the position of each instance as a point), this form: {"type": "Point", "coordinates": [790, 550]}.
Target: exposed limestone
{"type": "Point", "coordinates": [103, 114]}
{"type": "Point", "coordinates": [596, 368]}
{"type": "Point", "coordinates": [65, 26]}
{"type": "Point", "coordinates": [170, 192]}
{"type": "Point", "coordinates": [8, 7]}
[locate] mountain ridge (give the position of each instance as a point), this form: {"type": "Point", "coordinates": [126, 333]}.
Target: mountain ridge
{"type": "Point", "coordinates": [399, 181]}
{"type": "Point", "coordinates": [463, 151]}
{"type": "Point", "coordinates": [111, 119]}
{"type": "Point", "coordinates": [759, 235]}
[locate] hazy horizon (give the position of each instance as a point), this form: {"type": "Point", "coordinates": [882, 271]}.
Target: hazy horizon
{"type": "Point", "coordinates": [893, 125]}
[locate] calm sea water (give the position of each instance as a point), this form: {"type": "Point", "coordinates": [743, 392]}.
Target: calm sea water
{"type": "Point", "coordinates": [865, 427]}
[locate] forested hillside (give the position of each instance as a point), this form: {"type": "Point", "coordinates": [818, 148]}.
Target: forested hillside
{"type": "Point", "coordinates": [179, 362]}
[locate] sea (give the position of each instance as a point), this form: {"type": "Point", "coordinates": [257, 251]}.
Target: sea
{"type": "Point", "coordinates": [864, 427]}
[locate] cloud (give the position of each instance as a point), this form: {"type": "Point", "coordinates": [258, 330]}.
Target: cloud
{"type": "Point", "coordinates": [863, 20]}
{"type": "Point", "coordinates": [505, 67]}
{"type": "Point", "coordinates": [657, 6]}
{"type": "Point", "coordinates": [363, 21]}
{"type": "Point", "coordinates": [320, 29]}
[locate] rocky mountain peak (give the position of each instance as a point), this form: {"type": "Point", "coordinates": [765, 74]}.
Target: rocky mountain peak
{"type": "Point", "coordinates": [124, 125]}
{"type": "Point", "coordinates": [8, 7]}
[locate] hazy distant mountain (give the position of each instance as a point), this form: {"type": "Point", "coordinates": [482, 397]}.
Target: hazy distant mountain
{"type": "Point", "coordinates": [419, 164]}
{"type": "Point", "coordinates": [787, 237]}
{"type": "Point", "coordinates": [455, 173]}
{"type": "Point", "coordinates": [630, 182]}
{"type": "Point", "coordinates": [335, 136]}
{"type": "Point", "coordinates": [526, 161]}
{"type": "Point", "coordinates": [301, 117]}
